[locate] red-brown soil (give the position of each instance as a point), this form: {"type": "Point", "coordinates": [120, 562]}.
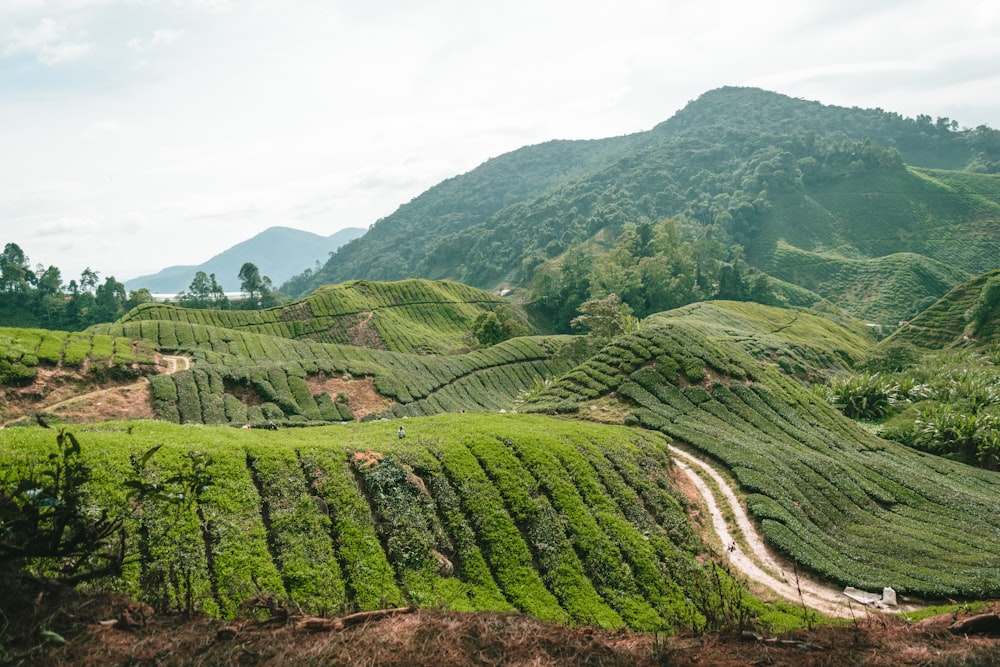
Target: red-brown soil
{"type": "Point", "coordinates": [360, 392]}
{"type": "Point", "coordinates": [73, 396]}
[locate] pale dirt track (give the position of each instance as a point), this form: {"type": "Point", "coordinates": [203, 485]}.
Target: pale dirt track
{"type": "Point", "coordinates": [760, 565]}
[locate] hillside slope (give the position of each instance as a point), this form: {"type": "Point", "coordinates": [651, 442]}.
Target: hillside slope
{"type": "Point", "coordinates": [949, 321]}
{"type": "Point", "coordinates": [852, 508]}
{"type": "Point", "coordinates": [570, 522]}
{"type": "Point", "coordinates": [415, 316]}
{"type": "Point", "coordinates": [740, 166]}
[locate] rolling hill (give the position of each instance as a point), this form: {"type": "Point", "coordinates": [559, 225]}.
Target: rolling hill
{"type": "Point", "coordinates": [404, 316]}
{"type": "Point", "coordinates": [880, 194]}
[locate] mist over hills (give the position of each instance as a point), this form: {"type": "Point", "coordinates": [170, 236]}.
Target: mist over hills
{"type": "Point", "coordinates": [805, 190]}
{"type": "Point", "coordinates": [279, 253]}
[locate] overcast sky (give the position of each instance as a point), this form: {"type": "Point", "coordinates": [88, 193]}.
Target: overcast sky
{"type": "Point", "coordinates": [139, 134]}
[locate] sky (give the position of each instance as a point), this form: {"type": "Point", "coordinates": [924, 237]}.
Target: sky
{"type": "Point", "coordinates": [141, 134]}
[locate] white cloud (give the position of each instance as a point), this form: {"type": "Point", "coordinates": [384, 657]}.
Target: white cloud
{"type": "Point", "coordinates": [162, 37]}
{"type": "Point", "coordinates": [48, 42]}
{"type": "Point", "coordinates": [214, 6]}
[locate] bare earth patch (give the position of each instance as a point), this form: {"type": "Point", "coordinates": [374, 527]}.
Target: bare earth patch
{"type": "Point", "coordinates": [362, 398]}
{"type": "Point", "coordinates": [74, 396]}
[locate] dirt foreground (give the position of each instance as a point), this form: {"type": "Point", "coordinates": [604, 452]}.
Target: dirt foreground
{"type": "Point", "coordinates": [109, 630]}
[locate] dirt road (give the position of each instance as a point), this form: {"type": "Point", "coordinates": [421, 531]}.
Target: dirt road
{"type": "Point", "coordinates": [751, 555]}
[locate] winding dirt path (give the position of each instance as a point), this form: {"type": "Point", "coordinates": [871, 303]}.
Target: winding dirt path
{"type": "Point", "coordinates": [760, 564]}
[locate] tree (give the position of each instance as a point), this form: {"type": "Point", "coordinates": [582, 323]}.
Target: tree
{"type": "Point", "coordinates": [491, 327]}
{"type": "Point", "coordinates": [88, 280]}
{"type": "Point", "coordinates": [136, 297]}
{"type": "Point", "coordinates": [15, 275]}
{"type": "Point", "coordinates": [204, 292]}
{"type": "Point", "coordinates": [109, 301]}
{"type": "Point", "coordinates": [257, 288]}
{"type": "Point", "coordinates": [487, 329]}
{"type": "Point", "coordinates": [606, 318]}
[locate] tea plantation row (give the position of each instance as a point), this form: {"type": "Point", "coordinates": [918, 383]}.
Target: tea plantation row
{"type": "Point", "coordinates": [246, 377]}
{"type": "Point", "coordinates": [404, 316]}
{"type": "Point", "coordinates": [567, 521]}
{"type": "Point", "coordinates": [853, 508]}
{"type": "Point", "coordinates": [22, 351]}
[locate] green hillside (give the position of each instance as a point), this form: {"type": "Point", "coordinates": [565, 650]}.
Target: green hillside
{"type": "Point", "coordinates": [837, 500]}
{"type": "Point", "coordinates": [416, 316]}
{"type": "Point", "coordinates": [240, 378]}
{"type": "Point", "coordinates": [950, 321]}
{"type": "Point", "coordinates": [738, 167]}
{"type": "Point", "coordinates": [566, 521]}
{"type": "Point", "coordinates": [881, 290]}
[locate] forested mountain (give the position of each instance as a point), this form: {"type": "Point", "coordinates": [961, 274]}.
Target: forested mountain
{"type": "Point", "coordinates": [279, 252]}
{"type": "Point", "coordinates": [832, 199]}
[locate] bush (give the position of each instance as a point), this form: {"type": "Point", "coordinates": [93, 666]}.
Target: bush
{"type": "Point", "coordinates": [864, 396]}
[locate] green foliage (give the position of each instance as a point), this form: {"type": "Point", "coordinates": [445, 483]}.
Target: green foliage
{"type": "Point", "coordinates": [492, 327]}
{"type": "Point", "coordinates": [415, 316]}
{"type": "Point", "coordinates": [818, 484]}
{"type": "Point", "coordinates": [44, 518]}
{"type": "Point", "coordinates": [605, 318]}
{"type": "Point", "coordinates": [50, 519]}
{"type": "Point", "coordinates": [946, 322]}
{"type": "Point", "coordinates": [969, 436]}
{"type": "Point", "coordinates": [863, 396]}
{"type": "Point", "coordinates": [567, 521]}
{"type": "Point", "coordinates": [947, 402]}
{"type": "Point", "coordinates": [204, 292]}
{"type": "Point", "coordinates": [986, 305]}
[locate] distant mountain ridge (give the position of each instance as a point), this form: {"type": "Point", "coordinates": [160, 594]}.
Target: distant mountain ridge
{"type": "Point", "coordinates": [279, 253]}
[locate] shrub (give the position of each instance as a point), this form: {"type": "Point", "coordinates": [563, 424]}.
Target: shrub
{"type": "Point", "coordinates": [864, 396]}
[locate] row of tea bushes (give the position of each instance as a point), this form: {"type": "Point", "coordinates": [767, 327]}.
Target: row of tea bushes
{"type": "Point", "coordinates": [22, 351]}
{"type": "Point", "coordinates": [567, 521]}
{"type": "Point", "coordinates": [414, 316]}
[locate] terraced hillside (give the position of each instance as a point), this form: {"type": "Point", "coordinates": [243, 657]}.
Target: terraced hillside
{"type": "Point", "coordinates": [419, 316]}
{"type": "Point", "coordinates": [567, 521]}
{"type": "Point", "coordinates": [882, 291]}
{"type": "Point", "coordinates": [852, 508]}
{"type": "Point", "coordinates": [251, 378]}
{"type": "Point", "coordinates": [949, 321]}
